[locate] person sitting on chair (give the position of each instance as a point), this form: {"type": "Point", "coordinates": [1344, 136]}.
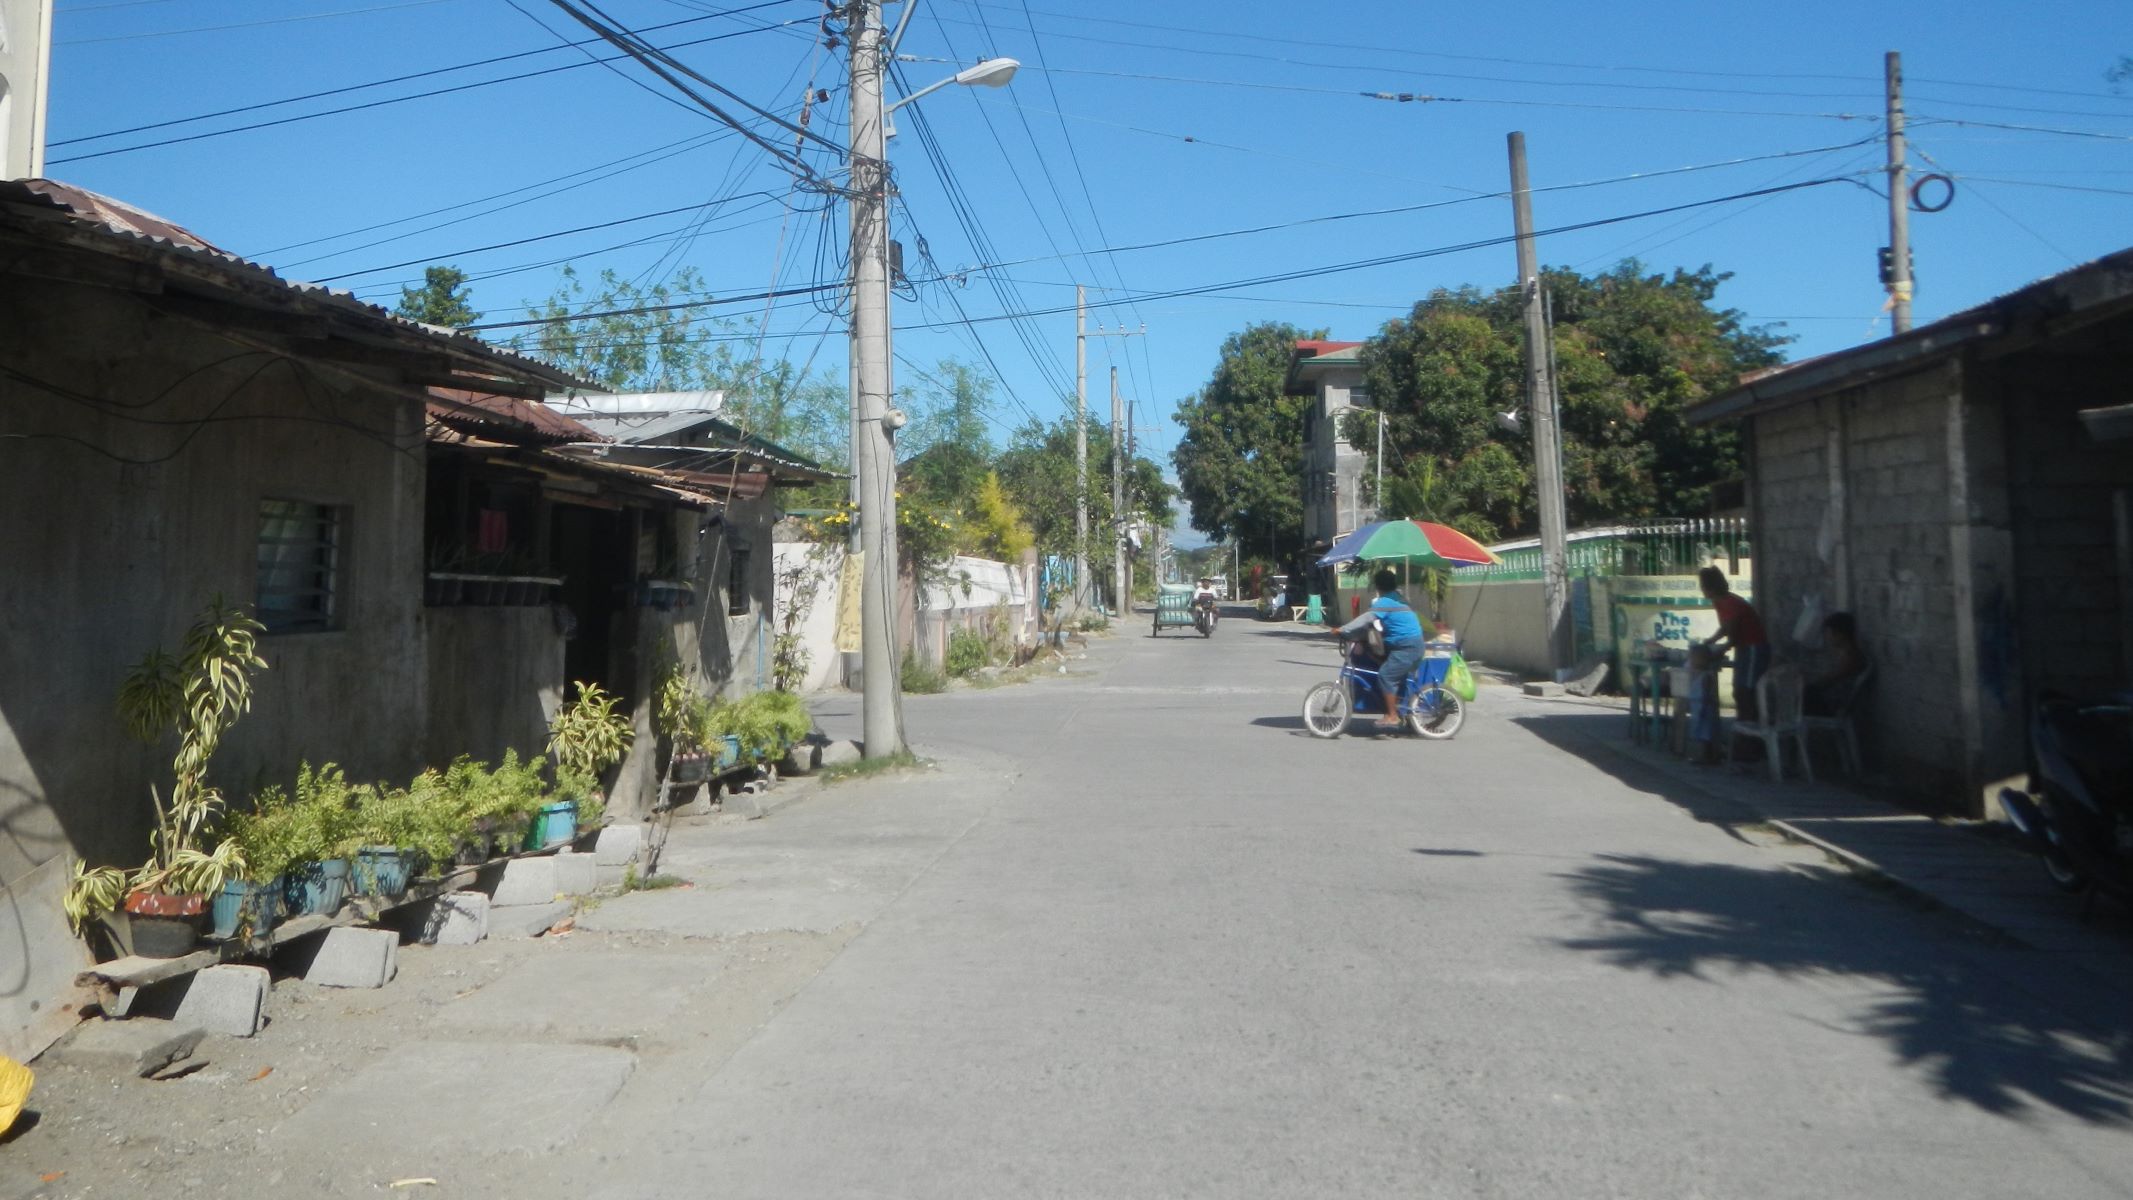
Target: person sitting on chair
{"type": "Point", "coordinates": [1403, 641]}
{"type": "Point", "coordinates": [1830, 692]}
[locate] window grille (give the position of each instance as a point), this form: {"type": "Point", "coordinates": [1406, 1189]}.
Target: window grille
{"type": "Point", "coordinates": [299, 565]}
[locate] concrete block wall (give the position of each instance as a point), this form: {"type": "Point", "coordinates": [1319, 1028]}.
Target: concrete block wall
{"type": "Point", "coordinates": [2071, 624]}
{"type": "Point", "coordinates": [1851, 505]}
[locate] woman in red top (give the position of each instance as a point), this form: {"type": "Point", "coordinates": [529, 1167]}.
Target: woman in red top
{"type": "Point", "coordinates": [1740, 629]}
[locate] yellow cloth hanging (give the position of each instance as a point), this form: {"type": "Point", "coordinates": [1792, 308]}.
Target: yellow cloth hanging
{"type": "Point", "coordinates": [15, 1081]}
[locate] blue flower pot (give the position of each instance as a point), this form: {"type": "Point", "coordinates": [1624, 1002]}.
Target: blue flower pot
{"type": "Point", "coordinates": [381, 871]}
{"type": "Point", "coordinates": [553, 825]}
{"type": "Point", "coordinates": [729, 754]}
{"type": "Point", "coordinates": [255, 907]}
{"type": "Point", "coordinates": [315, 889]}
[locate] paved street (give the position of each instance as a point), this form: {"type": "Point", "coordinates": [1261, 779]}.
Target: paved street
{"type": "Point", "coordinates": [1140, 936]}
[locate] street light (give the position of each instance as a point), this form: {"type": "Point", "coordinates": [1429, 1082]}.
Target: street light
{"type": "Point", "coordinates": [873, 421]}
{"type": "Point", "coordinates": [991, 72]}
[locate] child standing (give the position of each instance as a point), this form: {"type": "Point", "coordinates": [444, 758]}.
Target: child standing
{"type": "Point", "coordinates": [1703, 705]}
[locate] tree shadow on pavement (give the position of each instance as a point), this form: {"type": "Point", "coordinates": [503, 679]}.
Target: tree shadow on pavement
{"type": "Point", "coordinates": [1979, 1037]}
{"type": "Point", "coordinates": [1574, 731]}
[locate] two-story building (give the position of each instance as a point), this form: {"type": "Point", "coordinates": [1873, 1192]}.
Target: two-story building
{"type": "Point", "coordinates": [1335, 497]}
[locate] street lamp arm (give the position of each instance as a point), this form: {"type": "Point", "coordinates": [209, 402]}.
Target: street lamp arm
{"type": "Point", "coordinates": [993, 72]}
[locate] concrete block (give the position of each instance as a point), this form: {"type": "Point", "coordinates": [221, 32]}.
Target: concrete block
{"type": "Point", "coordinates": [747, 804]}
{"type": "Point", "coordinates": [454, 919]}
{"type": "Point", "coordinates": [1544, 690]}
{"type": "Point", "coordinates": [611, 877]}
{"type": "Point", "coordinates": [141, 1046]}
{"type": "Point", "coordinates": [576, 874]}
{"type": "Point", "coordinates": [526, 881]}
{"type": "Point", "coordinates": [349, 957]}
{"type": "Point", "coordinates": [230, 999]}
{"type": "Point", "coordinates": [619, 844]}
{"type": "Point", "coordinates": [839, 753]}
{"type": "Point", "coordinates": [526, 920]}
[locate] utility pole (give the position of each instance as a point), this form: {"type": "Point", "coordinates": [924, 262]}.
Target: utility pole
{"type": "Point", "coordinates": [1897, 274]}
{"type": "Point", "coordinates": [873, 453]}
{"type": "Point", "coordinates": [1540, 398]}
{"type": "Point", "coordinates": [1379, 503]}
{"type": "Point", "coordinates": [25, 69]}
{"type": "Point", "coordinates": [1118, 497]}
{"type": "Point", "coordinates": [1081, 447]}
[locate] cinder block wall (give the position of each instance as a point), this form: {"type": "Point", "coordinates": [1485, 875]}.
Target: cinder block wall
{"type": "Point", "coordinates": [1851, 499]}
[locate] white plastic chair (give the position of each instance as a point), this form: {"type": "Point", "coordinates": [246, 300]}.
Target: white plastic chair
{"type": "Point", "coordinates": [1778, 702]}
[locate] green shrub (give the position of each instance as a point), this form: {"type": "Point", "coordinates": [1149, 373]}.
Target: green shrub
{"type": "Point", "coordinates": [922, 680]}
{"type": "Point", "coordinates": [967, 652]}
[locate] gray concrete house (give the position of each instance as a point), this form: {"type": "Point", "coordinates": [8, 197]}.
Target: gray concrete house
{"type": "Point", "coordinates": [1966, 489]}
{"type": "Point", "coordinates": [1331, 375]}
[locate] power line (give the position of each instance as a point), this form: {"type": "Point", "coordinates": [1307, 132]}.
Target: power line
{"type": "Point", "coordinates": [435, 71]}
{"type": "Point", "coordinates": [1277, 277]}
{"type": "Point", "coordinates": [539, 237]}
{"type": "Point", "coordinates": [2080, 133]}
{"type": "Point", "coordinates": [802, 290]}
{"type": "Point", "coordinates": [163, 33]}
{"type": "Point", "coordinates": [386, 102]}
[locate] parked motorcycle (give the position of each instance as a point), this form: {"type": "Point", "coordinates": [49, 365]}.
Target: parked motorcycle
{"type": "Point", "coordinates": [2078, 811]}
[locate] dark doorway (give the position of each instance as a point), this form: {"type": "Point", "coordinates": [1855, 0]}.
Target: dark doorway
{"type": "Point", "coordinates": [593, 553]}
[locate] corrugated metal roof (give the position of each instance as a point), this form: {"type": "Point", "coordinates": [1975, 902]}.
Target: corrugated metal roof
{"type": "Point", "coordinates": [477, 412]}
{"type": "Point", "coordinates": [124, 224]}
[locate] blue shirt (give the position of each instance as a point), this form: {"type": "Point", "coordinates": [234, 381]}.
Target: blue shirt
{"type": "Point", "coordinates": [1402, 626]}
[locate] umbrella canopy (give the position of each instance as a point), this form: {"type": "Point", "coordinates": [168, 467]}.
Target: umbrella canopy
{"type": "Point", "coordinates": [1415, 543]}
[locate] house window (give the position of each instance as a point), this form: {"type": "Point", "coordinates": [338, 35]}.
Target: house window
{"type": "Point", "coordinates": [737, 602]}
{"type": "Point", "coordinates": [299, 565]}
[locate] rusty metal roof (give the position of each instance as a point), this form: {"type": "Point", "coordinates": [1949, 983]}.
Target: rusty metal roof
{"type": "Point", "coordinates": [100, 222]}
{"type": "Point", "coordinates": [455, 411]}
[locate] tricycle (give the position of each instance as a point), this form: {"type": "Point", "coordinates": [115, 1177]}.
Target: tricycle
{"type": "Point", "coordinates": [1426, 705]}
{"type": "Point", "coordinates": [1174, 609]}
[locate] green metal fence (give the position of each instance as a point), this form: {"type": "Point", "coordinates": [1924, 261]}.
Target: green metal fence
{"type": "Point", "coordinates": [1656, 547]}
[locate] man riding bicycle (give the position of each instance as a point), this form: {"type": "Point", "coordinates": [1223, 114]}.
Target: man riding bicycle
{"type": "Point", "coordinates": [1403, 640]}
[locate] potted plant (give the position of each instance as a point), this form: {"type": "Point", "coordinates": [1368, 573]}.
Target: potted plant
{"type": "Point", "coordinates": [387, 824]}
{"type": "Point", "coordinates": [316, 881]}
{"type": "Point", "coordinates": [586, 738]}
{"type": "Point", "coordinates": [679, 715]}
{"type": "Point", "coordinates": [195, 695]}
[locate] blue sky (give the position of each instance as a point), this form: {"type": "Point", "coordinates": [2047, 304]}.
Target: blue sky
{"type": "Point", "coordinates": [1131, 123]}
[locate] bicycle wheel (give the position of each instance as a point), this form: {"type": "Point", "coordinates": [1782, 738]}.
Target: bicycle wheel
{"type": "Point", "coordinates": [1436, 713]}
{"type": "Point", "coordinates": [1325, 710]}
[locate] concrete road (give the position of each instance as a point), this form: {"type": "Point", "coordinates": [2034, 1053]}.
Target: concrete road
{"type": "Point", "coordinates": [1141, 937]}
{"type": "Point", "coordinates": [1182, 949]}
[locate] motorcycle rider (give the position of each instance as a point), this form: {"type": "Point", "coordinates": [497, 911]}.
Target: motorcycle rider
{"type": "Point", "coordinates": [1203, 593]}
{"type": "Point", "coordinates": [1403, 640]}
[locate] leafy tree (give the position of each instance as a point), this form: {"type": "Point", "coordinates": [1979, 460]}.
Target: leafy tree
{"type": "Point", "coordinates": [441, 300]}
{"type": "Point", "coordinates": [947, 444]}
{"type": "Point", "coordinates": [642, 344]}
{"type": "Point", "coordinates": [1633, 353]}
{"type": "Point", "coordinates": [1240, 462]}
{"type": "Point", "coordinates": [995, 526]}
{"type": "Point", "coordinates": [1037, 471]}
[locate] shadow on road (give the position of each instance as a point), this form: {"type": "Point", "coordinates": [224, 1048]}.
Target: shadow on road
{"type": "Point", "coordinates": [1575, 730]}
{"type": "Point", "coordinates": [1980, 1039]}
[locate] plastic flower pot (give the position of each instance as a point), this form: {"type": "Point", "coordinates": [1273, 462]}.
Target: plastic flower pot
{"type": "Point", "coordinates": [164, 925]}
{"type": "Point", "coordinates": [729, 753]}
{"type": "Point", "coordinates": [242, 905]}
{"type": "Point", "coordinates": [693, 767]}
{"type": "Point", "coordinates": [381, 871]}
{"type": "Point", "coordinates": [315, 889]}
{"type": "Point", "coordinates": [553, 825]}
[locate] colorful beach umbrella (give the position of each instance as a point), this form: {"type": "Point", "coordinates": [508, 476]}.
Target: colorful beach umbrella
{"type": "Point", "coordinates": [1415, 543]}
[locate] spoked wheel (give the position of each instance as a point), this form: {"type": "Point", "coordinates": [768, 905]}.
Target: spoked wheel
{"type": "Point", "coordinates": [1325, 711]}
{"type": "Point", "coordinates": [1436, 713]}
